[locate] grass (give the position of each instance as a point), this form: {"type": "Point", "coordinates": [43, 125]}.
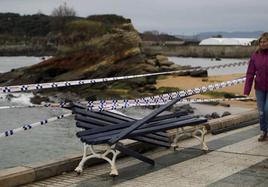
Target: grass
{"type": "Point", "coordinates": [220, 94]}
{"type": "Point", "coordinates": [162, 90]}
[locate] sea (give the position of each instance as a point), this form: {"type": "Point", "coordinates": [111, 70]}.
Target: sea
{"type": "Point", "coordinates": [203, 62]}
{"type": "Point", "coordinates": [57, 140]}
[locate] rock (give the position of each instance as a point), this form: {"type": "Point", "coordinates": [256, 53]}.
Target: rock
{"type": "Point", "coordinates": [213, 103]}
{"type": "Point", "coordinates": [215, 115]}
{"type": "Point", "coordinates": [150, 69]}
{"type": "Point", "coordinates": [186, 67]}
{"type": "Point", "coordinates": [226, 113]}
{"type": "Point", "coordinates": [185, 107]}
{"type": "Point", "coordinates": [161, 58]}
{"type": "Point", "coordinates": [165, 68]}
{"type": "Point", "coordinates": [165, 63]}
{"type": "Point", "coordinates": [151, 62]}
{"type": "Point", "coordinates": [208, 116]}
{"type": "Point", "coordinates": [132, 52]}
{"type": "Point", "coordinates": [225, 104]}
{"type": "Point", "coordinates": [39, 99]}
{"type": "Point", "coordinates": [162, 61]}
{"type": "Point", "coordinates": [199, 73]}
{"type": "Point", "coordinates": [150, 87]}
{"type": "Point", "coordinates": [175, 67]}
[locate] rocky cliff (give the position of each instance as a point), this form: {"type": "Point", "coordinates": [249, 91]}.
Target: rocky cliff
{"type": "Point", "coordinates": [116, 52]}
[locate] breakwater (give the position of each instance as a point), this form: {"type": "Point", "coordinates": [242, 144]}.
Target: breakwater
{"type": "Point", "coordinates": [201, 51]}
{"type": "Point", "coordinates": [168, 50]}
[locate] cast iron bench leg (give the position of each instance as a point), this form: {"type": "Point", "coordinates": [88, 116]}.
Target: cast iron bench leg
{"type": "Point", "coordinates": [202, 130]}
{"type": "Point", "coordinates": [94, 154]}
{"type": "Point", "coordinates": [179, 134]}
{"type": "Point", "coordinates": [198, 129]}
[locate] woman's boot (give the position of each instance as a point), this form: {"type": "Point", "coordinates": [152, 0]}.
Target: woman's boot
{"type": "Point", "coordinates": [262, 137]}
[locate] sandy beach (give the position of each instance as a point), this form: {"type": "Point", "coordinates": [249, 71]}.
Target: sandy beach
{"type": "Point", "coordinates": [186, 82]}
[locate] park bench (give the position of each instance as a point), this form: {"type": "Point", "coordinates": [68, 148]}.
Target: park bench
{"type": "Point", "coordinates": [109, 129]}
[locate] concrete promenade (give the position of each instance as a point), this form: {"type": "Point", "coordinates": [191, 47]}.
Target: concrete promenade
{"type": "Point", "coordinates": [235, 158]}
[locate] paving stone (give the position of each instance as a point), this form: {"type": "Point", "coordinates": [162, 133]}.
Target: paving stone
{"type": "Point", "coordinates": [245, 180]}
{"type": "Point", "coordinates": [230, 165]}
{"type": "Point", "coordinates": [224, 184]}
{"type": "Point", "coordinates": [243, 146]}
{"type": "Point", "coordinates": [263, 184]}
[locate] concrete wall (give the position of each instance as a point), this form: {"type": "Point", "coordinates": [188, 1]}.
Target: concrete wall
{"type": "Point", "coordinates": [201, 51]}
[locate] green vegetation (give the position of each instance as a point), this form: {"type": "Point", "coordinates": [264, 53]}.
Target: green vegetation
{"type": "Point", "coordinates": [220, 94]}
{"type": "Point", "coordinates": [16, 29]}
{"type": "Point", "coordinates": [109, 19]}
{"type": "Point", "coordinates": [204, 79]}
{"type": "Point", "coordinates": [87, 27]}
{"type": "Point", "coordinates": [24, 26]}
{"type": "Point", "coordinates": [63, 32]}
{"type": "Point", "coordinates": [156, 36]}
{"type": "Point", "coordinates": [163, 90]}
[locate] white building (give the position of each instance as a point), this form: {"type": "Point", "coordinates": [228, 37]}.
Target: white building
{"type": "Point", "coordinates": [227, 41]}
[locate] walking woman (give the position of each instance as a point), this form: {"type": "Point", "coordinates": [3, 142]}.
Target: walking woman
{"type": "Point", "coordinates": [258, 70]}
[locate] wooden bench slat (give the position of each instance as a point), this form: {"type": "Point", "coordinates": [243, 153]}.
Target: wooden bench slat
{"type": "Point", "coordinates": [156, 137]}
{"type": "Point", "coordinates": [167, 116]}
{"type": "Point", "coordinates": [127, 124]}
{"type": "Point", "coordinates": [178, 124]}
{"type": "Point", "coordinates": [91, 120]}
{"type": "Point", "coordinates": [125, 118]}
{"type": "Point", "coordinates": [96, 115]}
{"type": "Point", "coordinates": [119, 116]}
{"type": "Point", "coordinates": [85, 111]}
{"type": "Point", "coordinates": [139, 132]}
{"type": "Point", "coordinates": [152, 141]}
{"type": "Point", "coordinates": [140, 122]}
{"type": "Point", "coordinates": [163, 134]}
{"type": "Point", "coordinates": [87, 126]}
{"type": "Point", "coordinates": [165, 121]}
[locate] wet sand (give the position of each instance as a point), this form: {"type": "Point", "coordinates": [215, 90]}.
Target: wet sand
{"type": "Point", "coordinates": [186, 82]}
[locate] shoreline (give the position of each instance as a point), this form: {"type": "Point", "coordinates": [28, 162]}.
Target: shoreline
{"type": "Point", "coordinates": [187, 82]}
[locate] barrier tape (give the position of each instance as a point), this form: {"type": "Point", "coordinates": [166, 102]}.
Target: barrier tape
{"type": "Point", "coordinates": [58, 105]}
{"type": "Point", "coordinates": [202, 100]}
{"type": "Point", "coordinates": [8, 107]}
{"type": "Point", "coordinates": [24, 88]}
{"type": "Point", "coordinates": [195, 100]}
{"type": "Point", "coordinates": [30, 126]}
{"type": "Point", "coordinates": [115, 104]}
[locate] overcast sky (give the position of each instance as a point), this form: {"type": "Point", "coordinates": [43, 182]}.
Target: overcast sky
{"type": "Point", "coordinates": [170, 16]}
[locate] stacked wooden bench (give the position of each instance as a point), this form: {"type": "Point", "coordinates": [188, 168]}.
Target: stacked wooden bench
{"type": "Point", "coordinates": [109, 129]}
